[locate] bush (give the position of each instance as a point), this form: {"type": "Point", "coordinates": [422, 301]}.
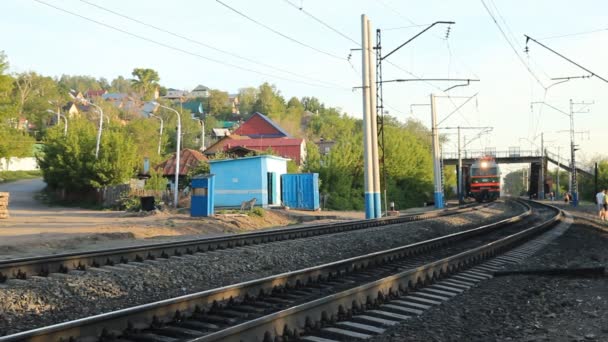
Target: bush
{"type": "Point", "coordinates": [130, 203]}
{"type": "Point", "coordinates": [257, 211]}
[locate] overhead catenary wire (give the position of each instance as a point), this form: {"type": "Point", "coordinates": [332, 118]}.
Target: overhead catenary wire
{"type": "Point", "coordinates": [279, 32]}
{"type": "Point", "coordinates": [198, 42]}
{"type": "Point", "coordinates": [574, 34]}
{"type": "Point", "coordinates": [301, 9]}
{"type": "Point", "coordinates": [511, 45]}
{"type": "Point", "coordinates": [515, 39]}
{"type": "Point", "coordinates": [149, 40]}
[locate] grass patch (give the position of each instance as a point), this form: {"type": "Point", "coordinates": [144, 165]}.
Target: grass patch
{"type": "Point", "coordinates": [11, 176]}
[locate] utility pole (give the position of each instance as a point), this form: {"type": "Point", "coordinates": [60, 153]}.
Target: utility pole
{"type": "Point", "coordinates": [436, 157]}
{"type": "Point", "coordinates": [573, 149]}
{"type": "Point", "coordinates": [378, 106]}
{"type": "Point", "coordinates": [557, 174]}
{"type": "Point", "coordinates": [541, 183]}
{"type": "Point", "coordinates": [368, 173]}
{"type": "Point", "coordinates": [373, 120]}
{"type": "Point", "coordinates": [595, 192]}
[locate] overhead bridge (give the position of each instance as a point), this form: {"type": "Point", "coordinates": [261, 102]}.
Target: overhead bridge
{"type": "Point", "coordinates": [514, 157]}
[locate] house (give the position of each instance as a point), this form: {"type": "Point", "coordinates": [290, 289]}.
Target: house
{"type": "Point", "coordinates": [199, 91]}
{"type": "Point", "coordinates": [239, 180]}
{"type": "Point", "coordinates": [220, 132]}
{"type": "Point", "coordinates": [260, 134]}
{"type": "Point", "coordinates": [188, 160]}
{"type": "Point", "coordinates": [291, 148]}
{"type": "Point", "coordinates": [92, 94]}
{"type": "Point", "coordinates": [261, 126]}
{"type": "Point", "coordinates": [194, 107]}
{"type": "Point", "coordinates": [71, 110]}
{"type": "Point", "coordinates": [175, 94]}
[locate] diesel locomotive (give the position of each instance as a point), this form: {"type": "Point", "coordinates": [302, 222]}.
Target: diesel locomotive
{"type": "Point", "coordinates": [484, 180]}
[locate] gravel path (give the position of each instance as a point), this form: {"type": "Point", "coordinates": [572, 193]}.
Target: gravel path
{"type": "Point", "coordinates": [37, 302]}
{"type": "Point", "coordinates": [528, 307]}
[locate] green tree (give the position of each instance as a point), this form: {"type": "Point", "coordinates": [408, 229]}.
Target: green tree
{"type": "Point", "coordinates": [218, 102]}
{"type": "Point", "coordinates": [68, 162]}
{"type": "Point", "coordinates": [6, 84]}
{"type": "Point", "coordinates": [32, 94]}
{"type": "Point", "coordinates": [514, 184]}
{"type": "Point", "coordinates": [269, 102]}
{"type": "Point", "coordinates": [145, 135]}
{"type": "Point", "coordinates": [121, 85]}
{"type": "Point", "coordinates": [146, 82]}
{"type": "Point", "coordinates": [247, 98]}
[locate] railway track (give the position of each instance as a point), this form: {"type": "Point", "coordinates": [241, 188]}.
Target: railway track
{"type": "Point", "coordinates": [345, 300]}
{"type": "Point", "coordinates": [62, 263]}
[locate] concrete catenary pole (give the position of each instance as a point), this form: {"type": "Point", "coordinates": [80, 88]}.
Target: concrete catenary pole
{"type": "Point", "coordinates": [541, 182]}
{"type": "Point", "coordinates": [459, 173]}
{"type": "Point", "coordinates": [367, 131]}
{"type": "Point", "coordinates": [373, 121]}
{"type": "Point", "coordinates": [436, 157]}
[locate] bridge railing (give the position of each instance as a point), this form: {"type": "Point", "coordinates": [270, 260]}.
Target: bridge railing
{"type": "Point", "coordinates": [474, 154]}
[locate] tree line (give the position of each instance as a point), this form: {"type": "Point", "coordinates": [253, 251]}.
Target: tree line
{"type": "Point", "coordinates": [68, 161]}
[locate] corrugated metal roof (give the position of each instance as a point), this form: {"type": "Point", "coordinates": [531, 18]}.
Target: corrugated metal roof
{"type": "Point", "coordinates": [188, 159]}
{"type": "Point", "coordinates": [259, 126]}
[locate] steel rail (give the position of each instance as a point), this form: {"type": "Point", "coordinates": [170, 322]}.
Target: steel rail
{"type": "Point", "coordinates": [165, 310]}
{"type": "Point", "coordinates": [298, 318]}
{"type": "Point", "coordinates": [61, 263]}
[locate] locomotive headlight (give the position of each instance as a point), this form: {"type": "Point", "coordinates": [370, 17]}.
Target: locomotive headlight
{"type": "Point", "coordinates": [484, 164]}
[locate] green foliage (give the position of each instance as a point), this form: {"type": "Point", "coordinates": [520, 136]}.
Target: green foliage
{"type": "Point", "coordinates": [257, 211]}
{"type": "Point", "coordinates": [121, 85]}
{"type": "Point", "coordinates": [201, 169]}
{"type": "Point", "coordinates": [514, 183]}
{"type": "Point", "coordinates": [9, 176]}
{"type": "Point", "coordinates": [218, 102]}
{"type": "Point", "coordinates": [145, 135]}
{"type": "Point", "coordinates": [68, 162]}
{"type": "Point", "coordinates": [292, 167]}
{"type": "Point", "coordinates": [247, 98]}
{"type": "Point", "coordinates": [146, 81]}
{"type": "Point", "coordinates": [130, 202]}
{"type": "Point", "coordinates": [269, 101]}
{"type": "Point", "coordinates": [313, 157]}
{"type": "Point", "coordinates": [156, 181]}
{"type": "Point", "coordinates": [14, 143]}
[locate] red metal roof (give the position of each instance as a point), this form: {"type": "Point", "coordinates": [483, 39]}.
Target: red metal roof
{"type": "Point", "coordinates": [188, 159]}
{"type": "Point", "coordinates": [260, 126]}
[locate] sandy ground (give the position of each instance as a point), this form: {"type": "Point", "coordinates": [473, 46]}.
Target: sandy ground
{"type": "Point", "coordinates": [35, 228]}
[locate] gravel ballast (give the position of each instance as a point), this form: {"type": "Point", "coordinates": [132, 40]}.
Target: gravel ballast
{"type": "Point", "coordinates": [36, 302]}
{"type": "Point", "coordinates": [528, 307]}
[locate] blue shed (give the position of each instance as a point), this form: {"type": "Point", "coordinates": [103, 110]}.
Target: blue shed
{"type": "Point", "coordinates": [242, 179]}
{"type": "Point", "coordinates": [300, 190]}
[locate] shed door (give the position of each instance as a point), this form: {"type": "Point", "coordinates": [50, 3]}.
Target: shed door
{"type": "Point", "coordinates": [272, 185]}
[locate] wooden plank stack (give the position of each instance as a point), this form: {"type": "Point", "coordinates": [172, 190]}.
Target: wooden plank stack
{"type": "Point", "coordinates": [4, 204]}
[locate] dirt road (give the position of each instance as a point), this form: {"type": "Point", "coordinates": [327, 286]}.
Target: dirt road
{"type": "Point", "coordinates": [35, 228]}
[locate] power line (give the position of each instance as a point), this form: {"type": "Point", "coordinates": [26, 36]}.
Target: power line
{"type": "Point", "coordinates": [575, 34]}
{"type": "Point", "coordinates": [179, 49]}
{"type": "Point", "coordinates": [514, 39]}
{"type": "Point", "coordinates": [198, 42]}
{"type": "Point", "coordinates": [511, 45]}
{"type": "Point", "coordinates": [278, 32]}
{"type": "Point", "coordinates": [322, 22]}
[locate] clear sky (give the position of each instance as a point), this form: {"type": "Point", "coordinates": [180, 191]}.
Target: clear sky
{"type": "Point", "coordinates": [46, 40]}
